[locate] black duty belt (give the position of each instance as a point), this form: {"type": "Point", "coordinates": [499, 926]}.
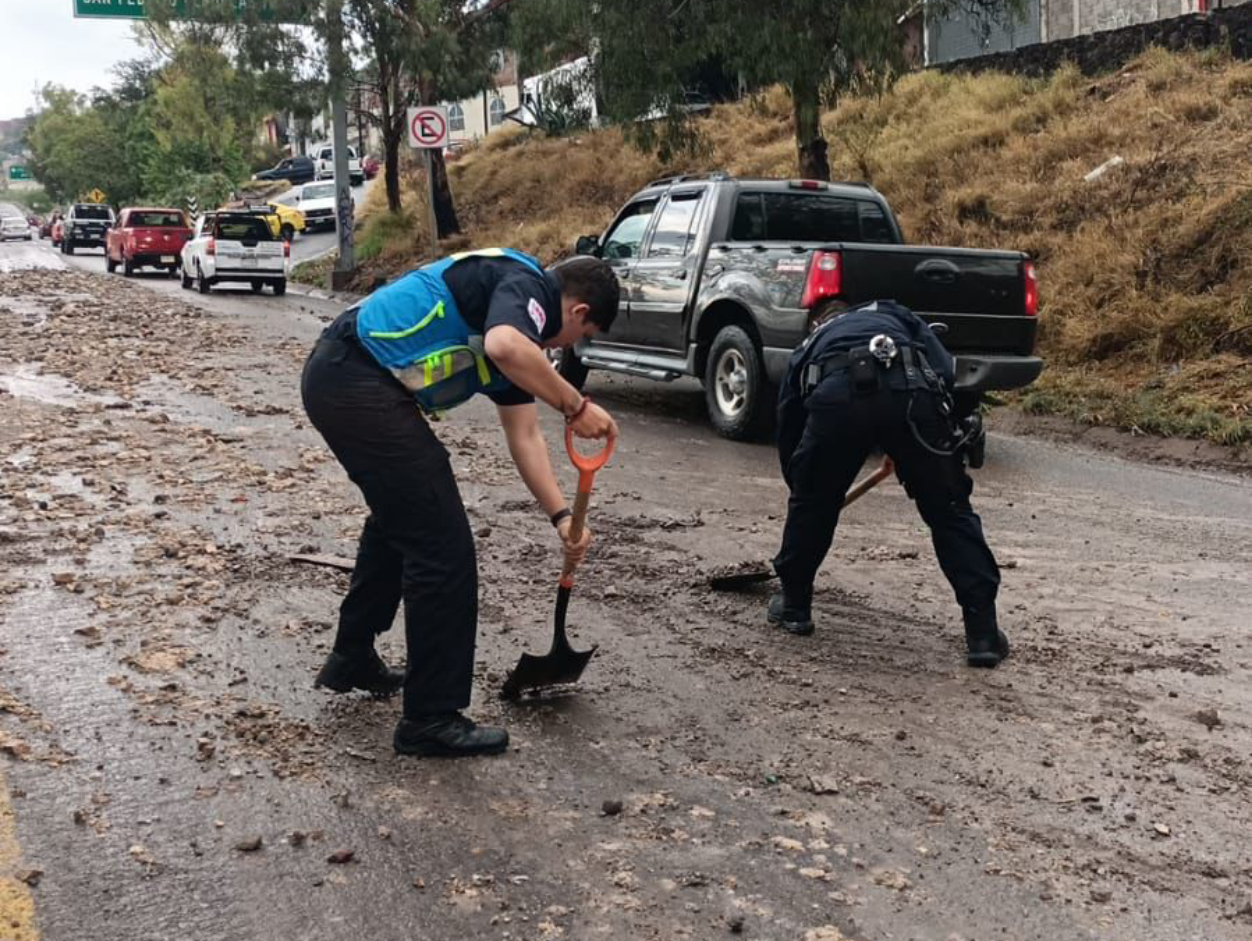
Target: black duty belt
{"type": "Point", "coordinates": [908, 369]}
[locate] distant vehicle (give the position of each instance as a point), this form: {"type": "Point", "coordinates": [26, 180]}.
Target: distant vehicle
{"type": "Point", "coordinates": [286, 220]}
{"type": "Point", "coordinates": [34, 220]}
{"type": "Point", "coordinates": [324, 156]}
{"type": "Point", "coordinates": [283, 220]}
{"type": "Point", "coordinates": [370, 167]}
{"type": "Point", "coordinates": [317, 202]}
{"type": "Point", "coordinates": [145, 236]}
{"type": "Point", "coordinates": [722, 278]}
{"type": "Point", "coordinates": [15, 227]}
{"type": "Point", "coordinates": [235, 246]}
{"type": "Point", "coordinates": [85, 226]}
{"type": "Point", "coordinates": [295, 170]}
{"type": "Point", "coordinates": [45, 230]}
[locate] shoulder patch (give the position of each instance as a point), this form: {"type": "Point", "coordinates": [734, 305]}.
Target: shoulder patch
{"type": "Point", "coordinates": [537, 314]}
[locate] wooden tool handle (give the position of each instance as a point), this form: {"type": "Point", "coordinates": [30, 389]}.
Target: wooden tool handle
{"type": "Point", "coordinates": [581, 501]}
{"type": "Point", "coordinates": [870, 482]}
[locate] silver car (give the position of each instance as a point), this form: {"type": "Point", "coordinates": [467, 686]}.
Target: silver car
{"type": "Point", "coordinates": [15, 227]}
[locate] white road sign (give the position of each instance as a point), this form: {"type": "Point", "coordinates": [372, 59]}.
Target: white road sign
{"type": "Point", "coordinates": [428, 127]}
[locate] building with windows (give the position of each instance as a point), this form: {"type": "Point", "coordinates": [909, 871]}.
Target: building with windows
{"type": "Point", "coordinates": [963, 35]}
{"type": "Point", "coordinates": [474, 118]}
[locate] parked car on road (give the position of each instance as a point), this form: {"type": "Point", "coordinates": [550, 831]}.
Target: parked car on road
{"type": "Point", "coordinates": [15, 227]}
{"type": "Point", "coordinates": [722, 278]}
{"type": "Point", "coordinates": [85, 226]}
{"type": "Point", "coordinates": [295, 170]}
{"type": "Point", "coordinates": [370, 167]}
{"type": "Point", "coordinates": [317, 202]}
{"type": "Point", "coordinates": [34, 220]}
{"type": "Point", "coordinates": [324, 156]}
{"type": "Point", "coordinates": [145, 236]}
{"type": "Point", "coordinates": [235, 246]}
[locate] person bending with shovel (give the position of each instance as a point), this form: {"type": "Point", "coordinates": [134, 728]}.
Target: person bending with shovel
{"type": "Point", "coordinates": [878, 375]}
{"type": "Point", "coordinates": [475, 322]}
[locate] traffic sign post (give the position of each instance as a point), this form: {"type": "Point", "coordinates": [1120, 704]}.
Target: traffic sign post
{"type": "Point", "coordinates": [428, 129]}
{"type": "Point", "coordinates": [95, 196]}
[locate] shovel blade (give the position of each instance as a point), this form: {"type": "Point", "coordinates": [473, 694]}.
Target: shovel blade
{"type": "Point", "coordinates": [557, 668]}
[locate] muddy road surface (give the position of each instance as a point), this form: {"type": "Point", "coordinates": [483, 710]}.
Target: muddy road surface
{"type": "Point", "coordinates": [170, 773]}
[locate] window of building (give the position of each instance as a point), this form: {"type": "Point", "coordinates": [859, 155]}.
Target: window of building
{"type": "Point", "coordinates": [497, 111]}
{"type": "Point", "coordinates": [456, 118]}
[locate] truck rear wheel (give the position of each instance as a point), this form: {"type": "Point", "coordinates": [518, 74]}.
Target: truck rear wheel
{"type": "Point", "coordinates": [739, 396]}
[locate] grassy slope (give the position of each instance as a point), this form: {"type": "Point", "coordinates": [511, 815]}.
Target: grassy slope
{"type": "Point", "coordinates": [1147, 290]}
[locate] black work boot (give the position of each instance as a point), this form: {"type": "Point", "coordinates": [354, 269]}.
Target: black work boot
{"type": "Point", "coordinates": [344, 672]}
{"type": "Point", "coordinates": [984, 640]}
{"type": "Point", "coordinates": [448, 735]}
{"type": "Point", "coordinates": [792, 614]}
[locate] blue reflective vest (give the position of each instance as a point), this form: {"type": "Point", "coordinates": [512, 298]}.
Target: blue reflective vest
{"type": "Point", "coordinates": [412, 327]}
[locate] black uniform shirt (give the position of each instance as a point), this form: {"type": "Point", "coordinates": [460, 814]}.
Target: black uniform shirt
{"type": "Point", "coordinates": [500, 291]}
{"type": "Point", "coordinates": [853, 330]}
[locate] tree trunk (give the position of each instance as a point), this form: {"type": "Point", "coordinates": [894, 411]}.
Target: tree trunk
{"type": "Point", "coordinates": [445, 209]}
{"type": "Point", "coordinates": [391, 166]}
{"type": "Point", "coordinates": [810, 144]}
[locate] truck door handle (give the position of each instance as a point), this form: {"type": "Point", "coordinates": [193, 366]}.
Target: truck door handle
{"type": "Point", "coordinates": [938, 270]}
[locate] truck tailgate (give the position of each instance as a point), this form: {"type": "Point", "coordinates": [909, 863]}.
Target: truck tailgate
{"type": "Point", "coordinates": [978, 294]}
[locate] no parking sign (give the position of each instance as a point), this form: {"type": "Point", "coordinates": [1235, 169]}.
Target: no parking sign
{"type": "Point", "coordinates": [428, 127]}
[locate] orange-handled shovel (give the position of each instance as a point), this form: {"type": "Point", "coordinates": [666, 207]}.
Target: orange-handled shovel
{"type": "Point", "coordinates": [562, 664]}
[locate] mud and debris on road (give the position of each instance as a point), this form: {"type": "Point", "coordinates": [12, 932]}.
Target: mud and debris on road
{"type": "Point", "coordinates": [175, 775]}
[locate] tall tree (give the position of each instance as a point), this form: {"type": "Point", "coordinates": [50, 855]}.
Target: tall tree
{"type": "Point", "coordinates": [816, 49]}
{"type": "Point", "coordinates": [423, 52]}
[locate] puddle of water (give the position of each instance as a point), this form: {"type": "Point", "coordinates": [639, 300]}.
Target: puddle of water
{"type": "Point", "coordinates": [26, 382]}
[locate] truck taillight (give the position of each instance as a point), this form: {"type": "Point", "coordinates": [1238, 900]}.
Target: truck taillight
{"type": "Point", "coordinates": [825, 279]}
{"type": "Point", "coordinates": [211, 248]}
{"type": "Point", "coordinates": [1032, 288]}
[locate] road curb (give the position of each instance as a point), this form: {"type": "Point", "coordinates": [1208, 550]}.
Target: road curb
{"type": "Point", "coordinates": [307, 290]}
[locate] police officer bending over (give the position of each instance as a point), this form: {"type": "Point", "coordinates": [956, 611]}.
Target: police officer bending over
{"type": "Point", "coordinates": [878, 375]}
{"type": "Point", "coordinates": [471, 323]}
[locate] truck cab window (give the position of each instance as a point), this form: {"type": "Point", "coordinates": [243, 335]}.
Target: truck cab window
{"type": "Point", "coordinates": [627, 236]}
{"type": "Point", "coordinates": [673, 236]}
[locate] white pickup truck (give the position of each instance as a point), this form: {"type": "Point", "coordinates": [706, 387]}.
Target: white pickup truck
{"type": "Point", "coordinates": [235, 246]}
{"type": "Point", "coordinates": [324, 162]}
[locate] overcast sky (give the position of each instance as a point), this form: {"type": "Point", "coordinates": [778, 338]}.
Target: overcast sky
{"type": "Point", "coordinates": [43, 41]}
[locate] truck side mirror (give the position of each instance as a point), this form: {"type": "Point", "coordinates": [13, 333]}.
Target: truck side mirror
{"type": "Point", "coordinates": [587, 245]}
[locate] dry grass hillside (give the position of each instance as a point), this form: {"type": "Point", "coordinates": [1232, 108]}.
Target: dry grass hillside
{"type": "Point", "coordinates": [1147, 286]}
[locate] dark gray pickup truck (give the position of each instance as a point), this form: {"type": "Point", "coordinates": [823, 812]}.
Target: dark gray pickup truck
{"type": "Point", "coordinates": [722, 278]}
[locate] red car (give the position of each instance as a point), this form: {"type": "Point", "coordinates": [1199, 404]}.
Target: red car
{"type": "Point", "coordinates": [146, 236]}
{"type": "Point", "coordinates": [370, 167]}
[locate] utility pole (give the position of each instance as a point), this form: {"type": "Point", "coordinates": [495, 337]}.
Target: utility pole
{"type": "Point", "coordinates": [345, 263]}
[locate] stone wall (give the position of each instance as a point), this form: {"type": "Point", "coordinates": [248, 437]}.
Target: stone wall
{"type": "Point", "coordinates": [1105, 51]}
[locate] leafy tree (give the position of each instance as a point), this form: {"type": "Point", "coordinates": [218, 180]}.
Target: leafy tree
{"type": "Point", "coordinates": [73, 148]}
{"type": "Point", "coordinates": [423, 52]}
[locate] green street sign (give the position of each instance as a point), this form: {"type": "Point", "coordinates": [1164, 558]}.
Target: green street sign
{"type": "Point", "coordinates": [185, 9]}
{"type": "Point", "coordinates": [117, 9]}
{"type": "Point", "coordinates": [19, 173]}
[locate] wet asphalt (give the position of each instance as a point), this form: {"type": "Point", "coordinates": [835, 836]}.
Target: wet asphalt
{"type": "Point", "coordinates": [158, 654]}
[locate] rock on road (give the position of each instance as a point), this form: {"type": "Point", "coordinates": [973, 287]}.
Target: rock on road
{"type": "Point", "coordinates": [173, 774]}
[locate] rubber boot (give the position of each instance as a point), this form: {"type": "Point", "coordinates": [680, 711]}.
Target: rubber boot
{"type": "Point", "coordinates": [985, 642]}
{"type": "Point", "coordinates": [792, 611]}
{"type": "Point", "coordinates": [365, 671]}
{"type": "Point", "coordinates": [448, 735]}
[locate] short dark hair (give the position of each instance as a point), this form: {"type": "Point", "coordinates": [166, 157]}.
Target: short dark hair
{"type": "Point", "coordinates": [592, 282]}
